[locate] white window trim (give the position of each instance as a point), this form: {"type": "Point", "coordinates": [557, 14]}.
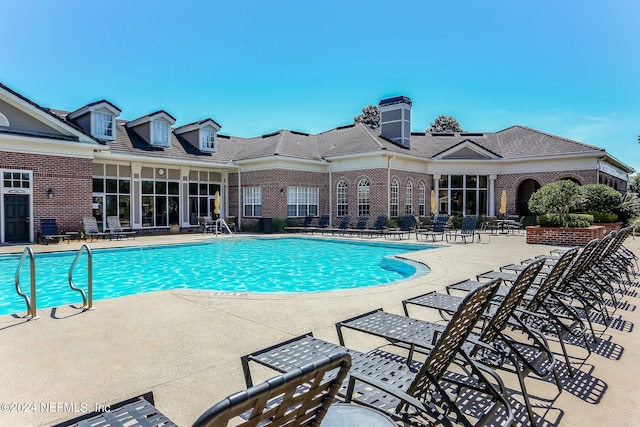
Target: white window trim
{"type": "Point", "coordinates": [154, 140]}
{"type": "Point", "coordinates": [94, 126]}
{"type": "Point", "coordinates": [206, 145]}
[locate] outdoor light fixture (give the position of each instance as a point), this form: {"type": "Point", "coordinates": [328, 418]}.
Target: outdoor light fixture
{"type": "Point", "coordinates": [50, 193]}
{"type": "Point", "coordinates": [282, 191]}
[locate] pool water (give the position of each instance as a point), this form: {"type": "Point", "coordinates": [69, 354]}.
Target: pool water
{"type": "Point", "coordinates": [227, 265]}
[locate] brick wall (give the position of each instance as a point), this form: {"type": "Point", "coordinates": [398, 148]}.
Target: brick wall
{"type": "Point", "coordinates": [511, 182]}
{"type": "Point", "coordinates": [564, 236]}
{"type": "Point", "coordinates": [68, 177]}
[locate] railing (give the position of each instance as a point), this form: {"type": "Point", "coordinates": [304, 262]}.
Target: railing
{"type": "Point", "coordinates": [87, 301]}
{"type": "Point", "coordinates": [31, 302]}
{"type": "Point", "coordinates": [224, 224]}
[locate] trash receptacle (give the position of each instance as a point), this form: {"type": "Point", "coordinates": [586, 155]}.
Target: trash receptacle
{"type": "Point", "coordinates": [266, 225]}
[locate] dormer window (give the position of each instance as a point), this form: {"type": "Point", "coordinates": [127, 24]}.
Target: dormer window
{"type": "Point", "coordinates": [103, 125]}
{"type": "Point", "coordinates": [154, 128]}
{"type": "Point", "coordinates": [207, 139]}
{"type": "Point", "coordinates": [160, 133]}
{"type": "Point", "coordinates": [98, 119]}
{"type": "Point", "coordinates": [202, 135]}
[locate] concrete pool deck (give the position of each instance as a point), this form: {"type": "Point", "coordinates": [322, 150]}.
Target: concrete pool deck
{"type": "Point", "coordinates": [185, 346]}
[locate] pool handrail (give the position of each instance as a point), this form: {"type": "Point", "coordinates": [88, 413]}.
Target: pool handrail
{"type": "Point", "coordinates": [31, 302]}
{"type": "Point", "coordinates": [87, 302]}
{"type": "Point", "coordinates": [224, 224]}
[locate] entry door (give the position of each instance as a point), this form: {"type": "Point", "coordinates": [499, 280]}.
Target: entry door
{"type": "Point", "coordinates": [16, 218]}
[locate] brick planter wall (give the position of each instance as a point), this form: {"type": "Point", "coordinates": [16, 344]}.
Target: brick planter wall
{"type": "Point", "coordinates": [609, 226]}
{"type": "Point", "coordinates": [564, 236]}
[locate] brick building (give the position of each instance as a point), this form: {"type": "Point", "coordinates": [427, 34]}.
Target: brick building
{"type": "Point", "coordinates": [68, 165]}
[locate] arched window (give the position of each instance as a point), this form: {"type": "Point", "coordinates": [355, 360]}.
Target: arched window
{"type": "Point", "coordinates": [4, 121]}
{"type": "Point", "coordinates": [408, 198]}
{"type": "Point", "coordinates": [364, 199]}
{"type": "Point", "coordinates": [422, 199]}
{"type": "Point", "coordinates": [394, 198]}
{"type": "Point", "coordinates": [342, 198]}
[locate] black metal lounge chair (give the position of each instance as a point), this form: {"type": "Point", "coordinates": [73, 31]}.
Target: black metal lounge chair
{"type": "Point", "coordinates": [137, 411]}
{"type": "Point", "coordinates": [360, 227]}
{"type": "Point", "coordinates": [49, 232]}
{"type": "Point", "coordinates": [302, 227]}
{"type": "Point", "coordinates": [116, 229]}
{"type": "Point", "coordinates": [467, 230]}
{"type": "Point", "coordinates": [91, 229]}
{"type": "Point", "coordinates": [406, 227]}
{"type": "Point", "coordinates": [407, 390]}
{"type": "Point", "coordinates": [345, 223]}
{"type": "Point", "coordinates": [323, 223]}
{"type": "Point", "coordinates": [437, 229]}
{"type": "Point", "coordinates": [494, 346]}
{"type": "Point", "coordinates": [300, 397]}
{"type": "Point", "coordinates": [379, 226]}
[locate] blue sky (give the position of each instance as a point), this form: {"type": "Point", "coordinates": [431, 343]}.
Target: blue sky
{"type": "Point", "coordinates": [570, 67]}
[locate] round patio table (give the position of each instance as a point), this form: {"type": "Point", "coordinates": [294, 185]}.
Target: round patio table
{"type": "Point", "coordinates": [349, 415]}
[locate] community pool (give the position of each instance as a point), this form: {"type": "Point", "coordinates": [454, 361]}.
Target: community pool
{"type": "Point", "coordinates": [240, 265]}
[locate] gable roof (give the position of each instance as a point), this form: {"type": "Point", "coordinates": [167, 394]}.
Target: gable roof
{"type": "Point", "coordinates": [61, 129]}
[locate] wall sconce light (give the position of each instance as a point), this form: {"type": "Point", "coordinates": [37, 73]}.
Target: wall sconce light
{"type": "Point", "coordinates": [50, 193]}
{"type": "Point", "coordinates": [282, 191]}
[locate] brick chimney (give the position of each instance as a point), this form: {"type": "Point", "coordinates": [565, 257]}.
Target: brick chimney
{"type": "Point", "coordinates": [395, 120]}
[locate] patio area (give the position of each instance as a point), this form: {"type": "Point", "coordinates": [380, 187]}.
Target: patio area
{"type": "Point", "coordinates": [185, 346]}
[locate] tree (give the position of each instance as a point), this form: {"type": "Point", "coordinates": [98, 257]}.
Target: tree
{"type": "Point", "coordinates": [370, 116]}
{"type": "Point", "coordinates": [635, 182]}
{"type": "Point", "coordinates": [445, 124]}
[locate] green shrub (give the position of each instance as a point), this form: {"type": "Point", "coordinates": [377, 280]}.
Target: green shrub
{"type": "Point", "coordinates": [635, 223]}
{"type": "Point", "coordinates": [578, 220]}
{"type": "Point", "coordinates": [550, 220]}
{"type": "Point", "coordinates": [277, 225]}
{"type": "Point", "coordinates": [629, 207]}
{"type": "Point", "coordinates": [567, 220]}
{"type": "Point", "coordinates": [604, 217]}
{"type": "Point", "coordinates": [599, 198]}
{"type": "Point", "coordinates": [560, 197]}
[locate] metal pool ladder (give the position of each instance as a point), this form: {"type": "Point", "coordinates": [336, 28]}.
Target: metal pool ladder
{"type": "Point", "coordinates": [87, 301]}
{"type": "Point", "coordinates": [31, 302]}
{"type": "Point", "coordinates": [222, 222]}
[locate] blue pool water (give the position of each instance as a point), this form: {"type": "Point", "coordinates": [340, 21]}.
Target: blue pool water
{"type": "Point", "coordinates": [225, 265]}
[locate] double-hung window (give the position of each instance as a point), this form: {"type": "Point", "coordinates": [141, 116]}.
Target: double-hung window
{"type": "Point", "coordinates": [394, 198]}
{"type": "Point", "coordinates": [160, 133]}
{"type": "Point", "coordinates": [408, 199]}
{"type": "Point", "coordinates": [342, 198]}
{"type": "Point", "coordinates": [302, 201]}
{"type": "Point", "coordinates": [364, 197]}
{"type": "Point", "coordinates": [103, 125]}
{"type": "Point", "coordinates": [208, 139]}
{"type": "Point", "coordinates": [253, 201]}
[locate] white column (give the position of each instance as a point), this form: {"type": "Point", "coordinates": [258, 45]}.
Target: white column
{"type": "Point", "coordinates": [436, 189]}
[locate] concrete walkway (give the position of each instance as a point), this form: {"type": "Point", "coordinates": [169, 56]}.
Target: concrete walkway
{"type": "Point", "coordinates": [185, 346]}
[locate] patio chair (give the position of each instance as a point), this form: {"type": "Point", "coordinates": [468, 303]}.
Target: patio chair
{"type": "Point", "coordinates": [467, 230]}
{"type": "Point", "coordinates": [494, 346]}
{"type": "Point", "coordinates": [360, 227]}
{"type": "Point", "coordinates": [379, 226]}
{"type": "Point", "coordinates": [437, 230]}
{"type": "Point", "coordinates": [302, 227]}
{"type": "Point", "coordinates": [406, 227]}
{"type": "Point", "coordinates": [137, 411]}
{"type": "Point", "coordinates": [91, 229]}
{"type": "Point", "coordinates": [300, 397]}
{"type": "Point", "coordinates": [407, 390]}
{"type": "Point", "coordinates": [49, 232]}
{"type": "Point", "coordinates": [116, 229]}
{"type": "Point", "coordinates": [490, 225]}
{"type": "Point", "coordinates": [207, 224]}
{"type": "Point", "coordinates": [345, 223]}
{"type": "Point", "coordinates": [323, 223]}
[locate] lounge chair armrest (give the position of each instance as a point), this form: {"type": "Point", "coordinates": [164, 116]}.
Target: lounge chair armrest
{"type": "Point", "coordinates": [355, 376]}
